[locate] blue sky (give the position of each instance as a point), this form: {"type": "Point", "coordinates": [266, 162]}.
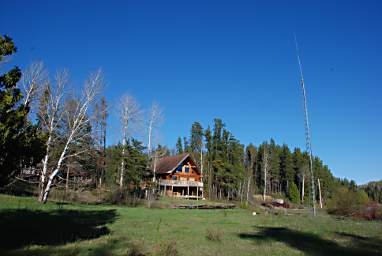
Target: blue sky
{"type": "Point", "coordinates": [229, 59]}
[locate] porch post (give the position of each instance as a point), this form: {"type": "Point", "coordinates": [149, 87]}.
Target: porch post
{"type": "Point", "coordinates": [197, 192]}
{"type": "Point", "coordinates": [165, 189]}
{"type": "Point", "coordinates": [172, 190]}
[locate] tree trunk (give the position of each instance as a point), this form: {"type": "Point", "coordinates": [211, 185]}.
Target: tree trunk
{"type": "Point", "coordinates": [265, 182]}
{"type": "Point", "coordinates": [54, 173]}
{"type": "Point", "coordinates": [67, 181]}
{"type": "Point", "coordinates": [303, 188]}
{"type": "Point", "coordinates": [319, 191]}
{"type": "Point", "coordinates": [45, 168]}
{"type": "Point", "coordinates": [122, 174]}
{"type": "Point", "coordinates": [248, 187]}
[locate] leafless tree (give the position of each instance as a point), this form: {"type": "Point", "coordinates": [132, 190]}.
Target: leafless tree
{"type": "Point", "coordinates": [265, 169]}
{"type": "Point", "coordinates": [129, 113]}
{"type": "Point", "coordinates": [155, 120]}
{"type": "Point", "coordinates": [50, 115]}
{"type": "Point", "coordinates": [31, 82]}
{"type": "Point", "coordinates": [77, 121]}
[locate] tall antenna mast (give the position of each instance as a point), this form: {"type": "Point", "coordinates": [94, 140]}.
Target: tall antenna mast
{"type": "Point", "coordinates": [307, 130]}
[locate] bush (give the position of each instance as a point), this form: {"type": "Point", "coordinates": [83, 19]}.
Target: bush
{"type": "Point", "coordinates": [293, 193]}
{"type": "Point", "coordinates": [169, 249]}
{"type": "Point", "coordinates": [136, 250]}
{"type": "Point", "coordinates": [347, 202]}
{"type": "Point", "coordinates": [214, 235]}
{"type": "Point", "coordinates": [125, 197]}
{"type": "Point", "coordinates": [371, 211]}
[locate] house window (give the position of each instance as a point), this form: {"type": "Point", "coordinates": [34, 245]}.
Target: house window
{"type": "Point", "coordinates": [173, 177]}
{"type": "Point", "coordinates": [179, 168]}
{"type": "Point", "coordinates": [187, 169]}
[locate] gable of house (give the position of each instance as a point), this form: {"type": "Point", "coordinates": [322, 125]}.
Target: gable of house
{"type": "Point", "coordinates": [179, 167]}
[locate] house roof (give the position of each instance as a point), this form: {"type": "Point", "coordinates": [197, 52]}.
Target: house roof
{"type": "Point", "coordinates": [169, 164]}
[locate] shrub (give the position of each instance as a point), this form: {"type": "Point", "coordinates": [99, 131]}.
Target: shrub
{"type": "Point", "coordinates": [169, 249]}
{"type": "Point", "coordinates": [214, 234]}
{"type": "Point", "coordinates": [293, 193]}
{"type": "Point", "coordinates": [371, 211]}
{"type": "Point", "coordinates": [347, 202]}
{"type": "Point", "coordinates": [124, 196]}
{"type": "Point", "coordinates": [135, 250]}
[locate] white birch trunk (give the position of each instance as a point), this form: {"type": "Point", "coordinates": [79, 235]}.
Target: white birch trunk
{"type": "Point", "coordinates": [122, 174]}
{"type": "Point", "coordinates": [265, 174]}
{"type": "Point", "coordinates": [54, 173]}
{"type": "Point", "coordinates": [149, 137]}
{"type": "Point", "coordinates": [79, 117]}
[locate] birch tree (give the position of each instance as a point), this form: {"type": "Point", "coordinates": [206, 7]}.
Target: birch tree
{"type": "Point", "coordinates": [265, 168]}
{"type": "Point", "coordinates": [32, 81]}
{"type": "Point", "coordinates": [155, 120]}
{"type": "Point", "coordinates": [77, 121]}
{"type": "Point", "coordinates": [49, 116]}
{"type": "Point", "coordinates": [129, 114]}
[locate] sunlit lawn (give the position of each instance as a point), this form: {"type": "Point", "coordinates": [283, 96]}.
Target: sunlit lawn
{"type": "Point", "coordinates": [29, 228]}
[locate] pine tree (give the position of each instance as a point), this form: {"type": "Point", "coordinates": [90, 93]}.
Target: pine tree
{"type": "Point", "coordinates": [286, 168]}
{"type": "Point", "coordinates": [179, 147]}
{"type": "Point", "coordinates": [186, 145]}
{"type": "Point", "coordinates": [20, 143]}
{"type": "Point", "coordinates": [274, 170]}
{"type": "Point", "coordinates": [196, 143]}
{"type": "Point", "coordinates": [209, 147]}
{"type": "Point", "coordinates": [293, 193]}
{"type": "Point", "coordinates": [250, 168]}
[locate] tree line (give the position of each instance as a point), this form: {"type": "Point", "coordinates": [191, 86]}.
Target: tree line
{"type": "Point", "coordinates": [232, 170]}
{"type": "Point", "coordinates": [55, 136]}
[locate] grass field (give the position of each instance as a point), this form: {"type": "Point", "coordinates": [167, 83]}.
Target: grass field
{"type": "Point", "coordinates": [29, 228]}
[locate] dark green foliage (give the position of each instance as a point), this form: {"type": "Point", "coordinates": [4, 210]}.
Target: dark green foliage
{"type": "Point", "coordinates": [228, 166]}
{"type": "Point", "coordinates": [135, 162]}
{"type": "Point", "coordinates": [196, 137]}
{"type": "Point", "coordinates": [293, 193]}
{"type": "Point", "coordinates": [179, 146]}
{"type": "Point", "coordinates": [186, 145]}
{"type": "Point", "coordinates": [286, 168]}
{"type": "Point", "coordinates": [374, 190]}
{"type": "Point", "coordinates": [196, 142]}
{"type": "Point", "coordinates": [20, 143]}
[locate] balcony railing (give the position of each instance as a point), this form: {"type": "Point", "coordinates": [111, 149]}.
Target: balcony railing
{"type": "Point", "coordinates": [181, 183]}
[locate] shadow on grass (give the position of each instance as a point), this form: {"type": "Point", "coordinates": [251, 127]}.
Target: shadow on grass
{"type": "Point", "coordinates": [24, 227]}
{"type": "Point", "coordinates": [312, 244]}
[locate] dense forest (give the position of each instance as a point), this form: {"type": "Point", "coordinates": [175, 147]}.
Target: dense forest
{"type": "Point", "coordinates": [55, 137]}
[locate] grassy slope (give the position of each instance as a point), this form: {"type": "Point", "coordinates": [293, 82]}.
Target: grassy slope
{"type": "Point", "coordinates": [28, 228]}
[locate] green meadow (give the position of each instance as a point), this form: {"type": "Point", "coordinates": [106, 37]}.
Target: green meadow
{"type": "Point", "coordinates": [56, 228]}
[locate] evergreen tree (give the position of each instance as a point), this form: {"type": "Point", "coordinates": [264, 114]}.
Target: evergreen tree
{"type": "Point", "coordinates": [209, 147]}
{"type": "Point", "coordinates": [274, 170]}
{"type": "Point", "coordinates": [293, 193]}
{"type": "Point", "coordinates": [186, 145]}
{"type": "Point", "coordinates": [286, 168]}
{"type": "Point", "coordinates": [196, 143]}
{"type": "Point", "coordinates": [20, 143]}
{"type": "Point", "coordinates": [179, 147]}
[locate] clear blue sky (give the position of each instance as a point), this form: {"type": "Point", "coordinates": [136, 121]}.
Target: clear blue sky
{"type": "Point", "coordinates": [229, 59]}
